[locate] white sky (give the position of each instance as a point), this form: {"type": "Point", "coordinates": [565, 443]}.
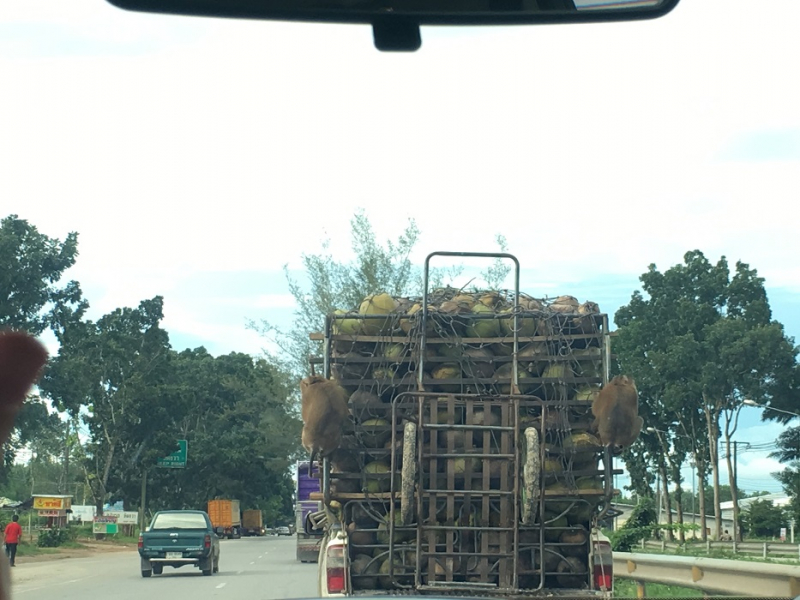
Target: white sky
{"type": "Point", "coordinates": [195, 157]}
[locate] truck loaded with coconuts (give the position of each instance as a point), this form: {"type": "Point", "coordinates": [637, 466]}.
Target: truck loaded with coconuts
{"type": "Point", "coordinates": [468, 465]}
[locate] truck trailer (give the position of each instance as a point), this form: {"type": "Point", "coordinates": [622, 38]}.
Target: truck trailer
{"type": "Point", "coordinates": [226, 517]}
{"type": "Point", "coordinates": [253, 523]}
{"type": "Point", "coordinates": [469, 465]}
{"type": "Point", "coordinates": [308, 482]}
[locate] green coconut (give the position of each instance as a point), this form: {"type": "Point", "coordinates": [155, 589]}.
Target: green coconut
{"type": "Point", "coordinates": [537, 351]}
{"type": "Point", "coordinates": [552, 465]}
{"type": "Point", "coordinates": [505, 371]}
{"type": "Point", "coordinates": [394, 351]}
{"type": "Point", "coordinates": [344, 323]}
{"type": "Point", "coordinates": [446, 371]}
{"type": "Point", "coordinates": [582, 441]}
{"type": "Point", "coordinates": [384, 372]}
{"type": "Point", "coordinates": [586, 393]}
{"type": "Point", "coordinates": [590, 483]}
{"type": "Point", "coordinates": [552, 535]}
{"type": "Point", "coordinates": [527, 325]}
{"type": "Point", "coordinates": [483, 328]}
{"type": "Point", "coordinates": [400, 536]}
{"type": "Point", "coordinates": [502, 348]}
{"type": "Point", "coordinates": [377, 485]}
{"type": "Point", "coordinates": [376, 432]}
{"type": "Point", "coordinates": [480, 363]}
{"type": "Point", "coordinates": [364, 564]}
{"type": "Point", "coordinates": [572, 572]}
{"type": "Point", "coordinates": [449, 350]}
{"type": "Point", "coordinates": [557, 370]}
{"type": "Point", "coordinates": [377, 304]}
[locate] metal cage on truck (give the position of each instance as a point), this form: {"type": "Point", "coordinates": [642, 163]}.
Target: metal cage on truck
{"type": "Point", "coordinates": [474, 468]}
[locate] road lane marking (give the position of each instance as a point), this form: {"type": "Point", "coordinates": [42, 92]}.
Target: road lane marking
{"type": "Point", "coordinates": [240, 572]}
{"type": "Point", "coordinates": [252, 563]}
{"type": "Point", "coordinates": [222, 585]}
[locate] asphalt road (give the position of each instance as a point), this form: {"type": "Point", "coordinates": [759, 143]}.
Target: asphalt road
{"type": "Point", "coordinates": [250, 568]}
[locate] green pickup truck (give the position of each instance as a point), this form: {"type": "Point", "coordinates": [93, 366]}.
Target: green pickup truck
{"type": "Point", "coordinates": [176, 538]}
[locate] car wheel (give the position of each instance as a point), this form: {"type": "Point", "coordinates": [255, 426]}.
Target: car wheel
{"type": "Point", "coordinates": [146, 573]}
{"type": "Point", "coordinates": [158, 569]}
{"type": "Point", "coordinates": [208, 567]}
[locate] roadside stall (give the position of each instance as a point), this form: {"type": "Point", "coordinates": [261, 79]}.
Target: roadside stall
{"type": "Point", "coordinates": [55, 508]}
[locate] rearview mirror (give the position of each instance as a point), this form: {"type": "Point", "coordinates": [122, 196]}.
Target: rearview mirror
{"type": "Point", "coordinates": [396, 23]}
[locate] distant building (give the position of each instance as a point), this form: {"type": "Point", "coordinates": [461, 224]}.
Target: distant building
{"type": "Point", "coordinates": [688, 517]}
{"type": "Point", "coordinates": [779, 499]}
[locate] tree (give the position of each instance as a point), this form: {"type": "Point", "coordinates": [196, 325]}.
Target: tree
{"type": "Point", "coordinates": [242, 432]}
{"type": "Point", "coordinates": [117, 369]}
{"type": "Point", "coordinates": [335, 284]}
{"type": "Point", "coordinates": [31, 265]}
{"type": "Point", "coordinates": [763, 519]}
{"type": "Point", "coordinates": [788, 452]}
{"type": "Point", "coordinates": [640, 524]}
{"type": "Point", "coordinates": [700, 342]}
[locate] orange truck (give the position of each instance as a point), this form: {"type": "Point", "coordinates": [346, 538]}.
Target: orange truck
{"type": "Point", "coordinates": [226, 518]}
{"type": "Point", "coordinates": [253, 523]}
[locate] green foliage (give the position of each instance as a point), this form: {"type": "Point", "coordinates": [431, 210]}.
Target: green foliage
{"type": "Point", "coordinates": [626, 588]}
{"type": "Point", "coordinates": [31, 264]}
{"type": "Point", "coordinates": [336, 284]}
{"type": "Point", "coordinates": [697, 340]}
{"type": "Point", "coordinates": [137, 396]}
{"type": "Point", "coordinates": [790, 479]}
{"type": "Point", "coordinates": [332, 284]}
{"type": "Point", "coordinates": [242, 431]}
{"type": "Point", "coordinates": [763, 519]}
{"type": "Point", "coordinates": [53, 538]}
{"type": "Point", "coordinates": [496, 273]}
{"type": "Point", "coordinates": [119, 370]}
{"type": "Point", "coordinates": [788, 443]}
{"type": "Point", "coordinates": [640, 524]}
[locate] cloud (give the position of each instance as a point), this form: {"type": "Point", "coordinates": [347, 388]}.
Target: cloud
{"type": "Point", "coordinates": [757, 146]}
{"type": "Point", "coordinates": [594, 149]}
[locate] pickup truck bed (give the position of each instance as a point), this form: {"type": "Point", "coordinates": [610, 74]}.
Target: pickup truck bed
{"type": "Point", "coordinates": [176, 538]}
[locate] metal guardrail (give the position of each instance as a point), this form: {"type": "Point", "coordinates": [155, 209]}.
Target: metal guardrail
{"type": "Point", "coordinates": [711, 575]}
{"type": "Point", "coordinates": [763, 549]}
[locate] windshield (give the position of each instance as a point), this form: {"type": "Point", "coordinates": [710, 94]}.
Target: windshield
{"type": "Point", "coordinates": [178, 521]}
{"type": "Point", "coordinates": [198, 213]}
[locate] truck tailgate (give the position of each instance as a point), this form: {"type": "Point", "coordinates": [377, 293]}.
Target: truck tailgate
{"type": "Point", "coordinates": [171, 541]}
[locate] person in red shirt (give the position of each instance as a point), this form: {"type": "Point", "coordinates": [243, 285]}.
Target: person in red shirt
{"type": "Point", "coordinates": [12, 534]}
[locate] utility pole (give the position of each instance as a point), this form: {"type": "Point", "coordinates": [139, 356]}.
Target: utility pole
{"type": "Point", "coordinates": [144, 499]}
{"type": "Point", "coordinates": [658, 495]}
{"type": "Point", "coordinates": [735, 497]}
{"type": "Point", "coordinates": [66, 459]}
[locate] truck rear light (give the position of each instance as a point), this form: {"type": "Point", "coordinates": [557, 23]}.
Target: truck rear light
{"type": "Point", "coordinates": [603, 567]}
{"type": "Point", "coordinates": [141, 542]}
{"type": "Point", "coordinates": [335, 569]}
{"type": "Point", "coordinates": [208, 541]}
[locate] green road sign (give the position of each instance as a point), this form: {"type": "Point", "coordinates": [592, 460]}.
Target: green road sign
{"type": "Point", "coordinates": [176, 460]}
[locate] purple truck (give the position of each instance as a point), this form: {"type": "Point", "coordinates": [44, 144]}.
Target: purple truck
{"type": "Point", "coordinates": [307, 544]}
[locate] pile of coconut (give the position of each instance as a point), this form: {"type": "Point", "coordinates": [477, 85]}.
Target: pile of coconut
{"type": "Point", "coordinates": [381, 341]}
